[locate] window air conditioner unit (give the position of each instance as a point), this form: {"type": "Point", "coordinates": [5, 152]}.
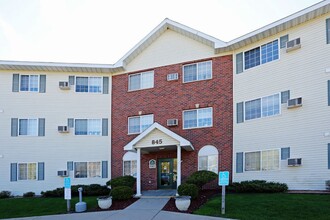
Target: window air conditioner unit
{"type": "Point", "coordinates": [63, 129]}
{"type": "Point", "coordinates": [62, 173]}
{"type": "Point", "coordinates": [293, 103]}
{"type": "Point", "coordinates": [172, 122]}
{"type": "Point", "coordinates": [292, 162]}
{"type": "Point", "coordinates": [64, 85]}
{"type": "Point", "coordinates": [172, 76]}
{"type": "Point", "coordinates": [293, 45]}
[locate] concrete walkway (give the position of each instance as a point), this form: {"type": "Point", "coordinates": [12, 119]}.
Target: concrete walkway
{"type": "Point", "coordinates": [144, 209]}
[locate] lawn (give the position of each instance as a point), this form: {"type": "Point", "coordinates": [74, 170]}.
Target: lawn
{"type": "Point", "coordinates": [24, 207]}
{"type": "Point", "coordinates": [270, 206]}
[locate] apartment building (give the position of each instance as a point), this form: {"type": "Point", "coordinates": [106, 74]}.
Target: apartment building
{"type": "Point", "coordinates": [172, 108]}
{"type": "Point", "coordinates": [179, 101]}
{"type": "Point", "coordinates": [55, 121]}
{"type": "Point", "coordinates": [281, 101]}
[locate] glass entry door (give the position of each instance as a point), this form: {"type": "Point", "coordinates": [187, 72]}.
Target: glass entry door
{"type": "Point", "coordinates": [167, 173]}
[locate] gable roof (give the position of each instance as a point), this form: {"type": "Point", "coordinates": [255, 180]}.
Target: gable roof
{"type": "Point", "coordinates": [283, 24]}
{"type": "Point", "coordinates": [219, 46]}
{"type": "Point", "coordinates": [183, 142]}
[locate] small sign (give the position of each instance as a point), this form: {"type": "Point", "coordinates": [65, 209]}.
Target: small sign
{"type": "Point", "coordinates": [152, 164]}
{"type": "Point", "coordinates": [224, 178]}
{"type": "Point", "coordinates": [67, 182]}
{"type": "Point", "coordinates": [67, 193]}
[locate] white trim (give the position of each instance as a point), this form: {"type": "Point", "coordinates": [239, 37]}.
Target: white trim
{"type": "Point", "coordinates": [182, 142]}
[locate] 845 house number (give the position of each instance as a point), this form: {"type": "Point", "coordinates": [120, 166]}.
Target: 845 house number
{"type": "Point", "coordinates": [158, 141]}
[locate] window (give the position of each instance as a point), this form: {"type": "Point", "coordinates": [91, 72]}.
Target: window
{"type": "Point", "coordinates": [89, 84]}
{"type": "Point", "coordinates": [29, 83]}
{"type": "Point", "coordinates": [141, 81]}
{"type": "Point", "coordinates": [252, 58]}
{"type": "Point", "coordinates": [138, 124]}
{"type": "Point", "coordinates": [259, 55]}
{"type": "Point", "coordinates": [269, 52]}
{"type": "Point", "coordinates": [262, 160]}
{"type": "Point", "coordinates": [27, 171]}
{"type": "Point", "coordinates": [88, 127]}
{"type": "Point", "coordinates": [328, 30]}
{"type": "Point", "coordinates": [87, 169]}
{"type": "Point", "coordinates": [262, 107]}
{"type": "Point", "coordinates": [197, 71]}
{"type": "Point", "coordinates": [28, 127]}
{"type": "Point", "coordinates": [129, 164]}
{"type": "Point", "coordinates": [208, 159]}
{"type": "Point", "coordinates": [197, 118]}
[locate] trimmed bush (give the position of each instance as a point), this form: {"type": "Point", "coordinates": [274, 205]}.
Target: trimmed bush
{"type": "Point", "coordinates": [29, 194]}
{"type": "Point", "coordinates": [121, 193]}
{"type": "Point", "coordinates": [88, 190]}
{"type": "Point", "coordinates": [188, 189]}
{"type": "Point", "coordinates": [201, 177]}
{"type": "Point", "coordinates": [258, 186]}
{"type": "Point", "coordinates": [122, 181]}
{"type": "Point", "coordinates": [5, 194]}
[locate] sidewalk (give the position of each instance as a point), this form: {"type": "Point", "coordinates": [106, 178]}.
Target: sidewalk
{"type": "Point", "coordinates": [143, 209]}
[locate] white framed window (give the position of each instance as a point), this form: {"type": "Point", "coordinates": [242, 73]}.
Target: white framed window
{"type": "Point", "coordinates": [262, 107]}
{"type": "Point", "coordinates": [256, 56]}
{"type": "Point", "coordinates": [208, 159]}
{"type": "Point", "coordinates": [137, 124]}
{"type": "Point", "coordinates": [27, 171]}
{"type": "Point", "coordinates": [197, 118]}
{"type": "Point", "coordinates": [139, 81]}
{"type": "Point", "coordinates": [28, 127]}
{"type": "Point", "coordinates": [87, 169]}
{"type": "Point", "coordinates": [197, 71]}
{"type": "Point", "coordinates": [88, 127]}
{"type": "Point", "coordinates": [262, 160]}
{"type": "Point", "coordinates": [29, 83]}
{"type": "Point", "coordinates": [129, 164]}
{"type": "Point", "coordinates": [89, 84]}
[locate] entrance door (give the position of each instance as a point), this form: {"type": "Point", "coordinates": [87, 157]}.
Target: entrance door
{"type": "Point", "coordinates": [167, 173]}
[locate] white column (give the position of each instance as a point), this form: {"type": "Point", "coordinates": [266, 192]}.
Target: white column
{"type": "Point", "coordinates": [178, 168]}
{"type": "Point", "coordinates": [138, 175]}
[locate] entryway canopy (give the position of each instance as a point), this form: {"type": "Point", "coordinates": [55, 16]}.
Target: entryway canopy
{"type": "Point", "coordinates": [156, 138]}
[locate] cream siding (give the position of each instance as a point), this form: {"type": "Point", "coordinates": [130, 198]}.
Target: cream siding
{"type": "Point", "coordinates": [156, 135]}
{"type": "Point", "coordinates": [302, 129]}
{"type": "Point", "coordinates": [54, 149]}
{"type": "Point", "coordinates": [170, 48]}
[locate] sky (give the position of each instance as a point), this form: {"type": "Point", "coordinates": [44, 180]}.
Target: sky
{"type": "Point", "coordinates": [103, 31]}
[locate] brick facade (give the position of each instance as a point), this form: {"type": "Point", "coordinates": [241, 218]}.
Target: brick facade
{"type": "Point", "coordinates": [167, 100]}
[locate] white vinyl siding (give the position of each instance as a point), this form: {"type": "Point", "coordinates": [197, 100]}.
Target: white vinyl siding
{"type": "Point", "coordinates": [197, 71]}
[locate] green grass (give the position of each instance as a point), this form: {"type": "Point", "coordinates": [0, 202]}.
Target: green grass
{"type": "Point", "coordinates": [24, 207]}
{"type": "Point", "coordinates": [270, 206]}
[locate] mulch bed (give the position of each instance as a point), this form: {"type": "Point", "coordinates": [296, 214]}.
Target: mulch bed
{"type": "Point", "coordinates": [203, 197]}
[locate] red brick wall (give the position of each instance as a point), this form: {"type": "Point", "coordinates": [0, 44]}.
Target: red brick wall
{"type": "Point", "coordinates": [167, 100]}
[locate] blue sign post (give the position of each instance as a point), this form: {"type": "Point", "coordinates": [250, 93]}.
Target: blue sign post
{"type": "Point", "coordinates": [67, 192]}
{"type": "Point", "coordinates": [223, 182]}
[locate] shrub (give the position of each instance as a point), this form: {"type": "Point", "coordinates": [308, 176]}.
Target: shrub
{"type": "Point", "coordinates": [121, 193]}
{"type": "Point", "coordinates": [122, 181]}
{"type": "Point", "coordinates": [5, 194]}
{"type": "Point", "coordinates": [188, 189]}
{"type": "Point", "coordinates": [201, 177]}
{"type": "Point", "coordinates": [29, 194]}
{"type": "Point", "coordinates": [88, 190]}
{"type": "Point", "coordinates": [258, 186]}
